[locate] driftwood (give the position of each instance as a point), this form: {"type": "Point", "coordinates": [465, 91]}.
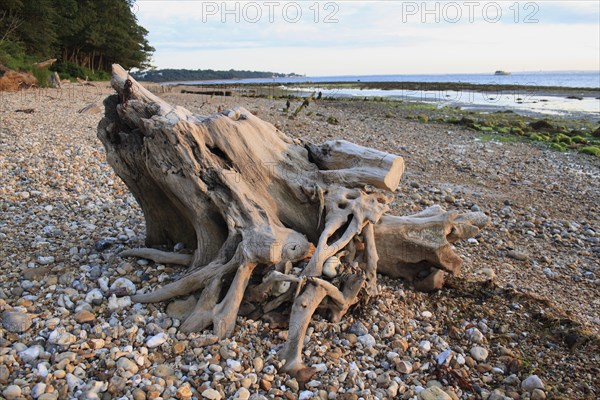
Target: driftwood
{"type": "Point", "coordinates": [272, 224]}
{"type": "Point", "coordinates": [45, 64]}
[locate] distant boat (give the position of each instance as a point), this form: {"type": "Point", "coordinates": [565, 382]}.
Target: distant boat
{"type": "Point", "coordinates": [501, 73]}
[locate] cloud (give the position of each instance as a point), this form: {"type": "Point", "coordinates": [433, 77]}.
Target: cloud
{"type": "Point", "coordinates": [376, 36]}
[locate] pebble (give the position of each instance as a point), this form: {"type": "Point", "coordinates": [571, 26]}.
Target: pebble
{"type": "Point", "coordinates": [127, 365]}
{"type": "Point", "coordinates": [367, 340]}
{"type": "Point", "coordinates": [404, 367]}
{"type": "Point", "coordinates": [538, 394]}
{"type": "Point", "coordinates": [532, 382]}
{"type": "Point", "coordinates": [388, 330]}
{"type": "Point", "coordinates": [16, 322]}
{"type": "Point", "coordinates": [12, 392]}
{"type": "Point", "coordinates": [45, 260]}
{"type": "Point", "coordinates": [211, 394]}
{"type": "Point", "coordinates": [359, 329]}
{"type": "Point", "coordinates": [31, 353]}
{"type": "Point", "coordinates": [434, 393]}
{"type": "Point", "coordinates": [123, 286]}
{"type": "Point", "coordinates": [425, 345]}
{"type": "Point", "coordinates": [95, 297]}
{"type": "Point", "coordinates": [156, 340]}
{"type": "Point", "coordinates": [518, 255]}
{"type": "Point", "coordinates": [38, 389]}
{"type": "Point", "coordinates": [84, 316]}
{"type": "Point", "coordinates": [117, 303]}
{"type": "Point", "coordinates": [242, 394]}
{"type": "Point", "coordinates": [479, 353]}
{"type": "Point", "coordinates": [235, 365]}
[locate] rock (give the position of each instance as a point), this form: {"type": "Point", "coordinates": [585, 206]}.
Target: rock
{"type": "Point", "coordinates": [235, 365]}
{"type": "Point", "coordinates": [434, 393]}
{"type": "Point", "coordinates": [211, 394]}
{"type": "Point", "coordinates": [180, 309]}
{"type": "Point", "coordinates": [139, 394]}
{"type": "Point", "coordinates": [425, 345]}
{"type": "Point", "coordinates": [475, 335]}
{"type": "Point", "coordinates": [479, 353]}
{"type": "Point", "coordinates": [258, 364]}
{"type": "Point", "coordinates": [95, 297]}
{"type": "Point", "coordinates": [204, 340]}
{"type": "Point", "coordinates": [17, 322]}
{"type": "Point", "coordinates": [61, 337]}
{"type": "Point", "coordinates": [74, 382]}
{"type": "Point", "coordinates": [117, 303]}
{"type": "Point", "coordinates": [123, 287]}
{"type": "Point", "coordinates": [184, 392]}
{"type": "Point", "coordinates": [531, 383]}
{"type": "Point", "coordinates": [538, 394]}
{"type": "Point", "coordinates": [156, 340]}
{"type": "Point", "coordinates": [4, 374]}
{"type": "Point", "coordinates": [265, 385]}
{"type": "Point", "coordinates": [518, 255]}
{"type": "Point", "coordinates": [12, 392]}
{"type": "Point", "coordinates": [359, 329]}
{"type": "Point", "coordinates": [96, 344]}
{"type": "Point", "coordinates": [127, 365]}
{"type": "Point", "coordinates": [38, 390]}
{"type": "Point", "coordinates": [102, 244]}
{"type": "Point", "coordinates": [163, 371]}
{"type": "Point", "coordinates": [242, 394]}
{"type": "Point", "coordinates": [445, 357]}
{"type": "Point", "coordinates": [280, 288]}
{"type": "Point", "coordinates": [84, 316]}
{"type": "Point", "coordinates": [404, 367]}
{"type": "Point", "coordinates": [31, 353]}
{"type": "Point", "coordinates": [367, 340]}
{"type": "Point", "coordinates": [427, 314]}
{"type": "Point", "coordinates": [388, 331]}
{"type": "Point", "coordinates": [331, 266]}
{"type": "Point", "coordinates": [305, 395]}
{"type": "Point", "coordinates": [487, 273]}
{"type": "Point", "coordinates": [45, 260]}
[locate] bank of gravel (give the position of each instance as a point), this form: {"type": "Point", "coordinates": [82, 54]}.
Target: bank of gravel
{"type": "Point", "coordinates": [521, 322]}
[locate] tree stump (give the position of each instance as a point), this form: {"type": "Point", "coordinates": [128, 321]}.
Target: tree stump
{"type": "Point", "coordinates": [275, 225]}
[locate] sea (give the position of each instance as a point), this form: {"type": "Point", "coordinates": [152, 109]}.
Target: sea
{"type": "Point", "coordinates": [572, 79]}
{"type": "Point", "coordinates": [529, 99]}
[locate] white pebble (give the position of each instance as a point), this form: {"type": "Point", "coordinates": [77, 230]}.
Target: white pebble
{"type": "Point", "coordinates": [157, 340]}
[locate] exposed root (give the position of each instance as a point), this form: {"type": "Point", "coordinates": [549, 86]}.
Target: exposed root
{"type": "Point", "coordinates": [345, 205]}
{"type": "Point", "coordinates": [158, 256]}
{"type": "Point", "coordinates": [371, 258]}
{"type": "Point", "coordinates": [302, 311]}
{"type": "Point", "coordinates": [225, 313]}
{"type": "Point", "coordinates": [202, 315]}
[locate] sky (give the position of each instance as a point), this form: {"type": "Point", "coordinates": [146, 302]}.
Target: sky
{"type": "Point", "coordinates": [325, 38]}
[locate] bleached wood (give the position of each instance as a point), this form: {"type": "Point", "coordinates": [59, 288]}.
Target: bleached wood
{"type": "Point", "coordinates": [353, 165]}
{"type": "Point", "coordinates": [257, 207]}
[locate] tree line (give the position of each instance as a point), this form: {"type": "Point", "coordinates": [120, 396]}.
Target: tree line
{"type": "Point", "coordinates": [86, 35]}
{"type": "Point", "coordinates": [182, 75]}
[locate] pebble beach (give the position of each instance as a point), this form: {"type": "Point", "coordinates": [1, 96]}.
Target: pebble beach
{"type": "Point", "coordinates": [521, 321]}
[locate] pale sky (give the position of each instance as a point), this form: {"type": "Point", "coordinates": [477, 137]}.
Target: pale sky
{"type": "Point", "coordinates": [320, 38]}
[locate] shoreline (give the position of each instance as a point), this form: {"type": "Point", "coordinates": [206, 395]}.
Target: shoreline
{"type": "Point", "coordinates": [426, 86]}
{"type": "Point", "coordinates": [527, 293]}
{"type": "Point", "coordinates": [534, 101]}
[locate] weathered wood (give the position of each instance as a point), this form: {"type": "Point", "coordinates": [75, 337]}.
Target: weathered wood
{"type": "Point", "coordinates": [356, 166]}
{"type": "Point", "coordinates": [263, 213]}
